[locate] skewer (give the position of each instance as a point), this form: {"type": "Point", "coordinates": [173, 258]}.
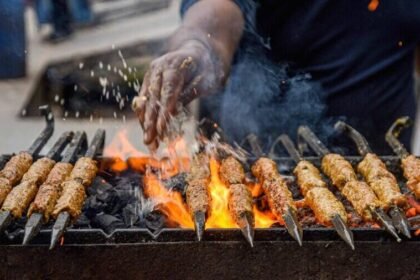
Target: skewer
{"type": "Point", "coordinates": [22, 193]}
{"type": "Point", "coordinates": [409, 163]}
{"type": "Point", "coordinates": [398, 217]}
{"type": "Point", "coordinates": [63, 219]}
{"type": "Point", "coordinates": [305, 134]}
{"type": "Point", "coordinates": [279, 196]}
{"type": "Point", "coordinates": [337, 221]}
{"type": "Point", "coordinates": [13, 171]}
{"type": "Point", "coordinates": [198, 196]}
{"type": "Point", "coordinates": [240, 198]}
{"type": "Point", "coordinates": [37, 218]}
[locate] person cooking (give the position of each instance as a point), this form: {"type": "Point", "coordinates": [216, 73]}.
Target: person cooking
{"type": "Point", "coordinates": [361, 53]}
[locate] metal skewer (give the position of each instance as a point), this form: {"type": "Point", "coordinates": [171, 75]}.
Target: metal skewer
{"type": "Point", "coordinates": [398, 217]}
{"type": "Point", "coordinates": [306, 135]}
{"type": "Point", "coordinates": [35, 221]}
{"type": "Point", "coordinates": [199, 224]}
{"type": "Point", "coordinates": [340, 226]}
{"type": "Point", "coordinates": [394, 132]}
{"type": "Point", "coordinates": [248, 229]}
{"type": "Point", "coordinates": [64, 218]}
{"type": "Point", "coordinates": [6, 216]}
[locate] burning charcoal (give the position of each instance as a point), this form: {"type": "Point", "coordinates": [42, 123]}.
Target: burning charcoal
{"type": "Point", "coordinates": [177, 183]}
{"type": "Point", "coordinates": [82, 222]}
{"type": "Point", "coordinates": [130, 215]}
{"type": "Point", "coordinates": [108, 223]}
{"type": "Point", "coordinates": [154, 221]}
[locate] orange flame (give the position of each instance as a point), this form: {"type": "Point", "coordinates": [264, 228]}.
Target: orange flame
{"type": "Point", "coordinates": [170, 203]}
{"type": "Point", "coordinates": [373, 5]}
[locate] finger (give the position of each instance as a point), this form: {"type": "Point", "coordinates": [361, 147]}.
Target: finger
{"type": "Point", "coordinates": [172, 84]}
{"type": "Point", "coordinates": [140, 102]}
{"type": "Point", "coordinates": [152, 108]}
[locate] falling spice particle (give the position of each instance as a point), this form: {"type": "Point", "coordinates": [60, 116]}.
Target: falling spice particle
{"type": "Point", "coordinates": [400, 43]}
{"type": "Point", "coordinates": [373, 5]}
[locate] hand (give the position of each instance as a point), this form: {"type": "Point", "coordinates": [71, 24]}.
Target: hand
{"type": "Point", "coordinates": [174, 79]}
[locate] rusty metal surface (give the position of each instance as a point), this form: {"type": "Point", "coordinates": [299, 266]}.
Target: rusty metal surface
{"type": "Point", "coordinates": [214, 260]}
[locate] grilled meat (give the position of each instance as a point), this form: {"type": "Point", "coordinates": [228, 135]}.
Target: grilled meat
{"type": "Point", "coordinates": [71, 200]}
{"type": "Point", "coordinates": [85, 169]}
{"type": "Point", "coordinates": [325, 205]}
{"type": "Point", "coordinates": [338, 169]}
{"type": "Point", "coordinates": [383, 182]}
{"type": "Point", "coordinates": [231, 171]}
{"type": "Point", "coordinates": [59, 173]}
{"type": "Point", "coordinates": [198, 180]}
{"type": "Point", "coordinates": [49, 192]}
{"type": "Point", "coordinates": [20, 197]}
{"type": "Point", "coordinates": [39, 171]}
{"type": "Point", "coordinates": [240, 199]}
{"type": "Point", "coordinates": [362, 198]}
{"type": "Point", "coordinates": [308, 177]}
{"type": "Point", "coordinates": [275, 188]}
{"type": "Point", "coordinates": [16, 167]}
{"type": "Point", "coordinates": [240, 204]}
{"type": "Point", "coordinates": [5, 188]}
{"type": "Point", "coordinates": [317, 196]}
{"type": "Point", "coordinates": [411, 168]}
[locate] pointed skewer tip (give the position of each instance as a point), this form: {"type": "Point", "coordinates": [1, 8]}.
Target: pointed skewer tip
{"type": "Point", "coordinates": [32, 227]}
{"type": "Point", "coordinates": [247, 229]}
{"type": "Point", "coordinates": [199, 224]}
{"type": "Point", "coordinates": [5, 220]}
{"type": "Point", "coordinates": [59, 227]}
{"type": "Point", "coordinates": [343, 231]}
{"type": "Point", "coordinates": [386, 222]}
{"type": "Point", "coordinates": [293, 226]}
{"type": "Point", "coordinates": [400, 221]}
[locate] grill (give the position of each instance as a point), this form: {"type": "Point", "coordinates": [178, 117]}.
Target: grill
{"type": "Point", "coordinates": [145, 246]}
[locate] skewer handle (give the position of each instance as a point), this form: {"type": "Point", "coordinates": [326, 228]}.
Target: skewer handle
{"type": "Point", "coordinates": [46, 134]}
{"type": "Point", "coordinates": [392, 134]}
{"type": "Point", "coordinates": [78, 143]}
{"type": "Point", "coordinates": [360, 141]}
{"type": "Point", "coordinates": [290, 147]}
{"type": "Point", "coordinates": [97, 144]}
{"type": "Point", "coordinates": [306, 134]}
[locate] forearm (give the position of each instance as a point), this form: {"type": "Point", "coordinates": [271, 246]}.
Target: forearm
{"type": "Point", "coordinates": [217, 25]}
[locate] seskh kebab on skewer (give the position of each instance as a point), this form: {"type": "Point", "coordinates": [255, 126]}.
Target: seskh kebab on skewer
{"type": "Point", "coordinates": [328, 210]}
{"type": "Point", "coordinates": [197, 192]}
{"type": "Point", "coordinates": [69, 204]}
{"type": "Point", "coordinates": [410, 164]}
{"type": "Point", "coordinates": [342, 175]}
{"type": "Point", "coordinates": [278, 195]}
{"type": "Point", "coordinates": [20, 197]}
{"type": "Point", "coordinates": [42, 206]}
{"type": "Point", "coordinates": [19, 164]}
{"type": "Point", "coordinates": [382, 182]}
{"type": "Point", "coordinates": [232, 175]}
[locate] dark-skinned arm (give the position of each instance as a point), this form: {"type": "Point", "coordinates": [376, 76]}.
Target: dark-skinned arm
{"type": "Point", "coordinates": [197, 64]}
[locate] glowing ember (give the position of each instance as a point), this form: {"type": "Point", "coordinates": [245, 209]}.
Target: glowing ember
{"type": "Point", "coordinates": [373, 5]}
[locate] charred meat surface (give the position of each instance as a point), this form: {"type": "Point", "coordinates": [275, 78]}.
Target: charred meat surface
{"type": "Point", "coordinates": [275, 187]}
{"type": "Point", "coordinates": [39, 171]}
{"type": "Point", "coordinates": [383, 182]}
{"type": "Point", "coordinates": [59, 173]}
{"type": "Point", "coordinates": [71, 199]}
{"type": "Point", "coordinates": [19, 198]}
{"type": "Point", "coordinates": [16, 167]}
{"type": "Point", "coordinates": [198, 196]}
{"type": "Point", "coordinates": [362, 198]}
{"type": "Point", "coordinates": [411, 168]}
{"type": "Point", "coordinates": [231, 171]}
{"type": "Point", "coordinates": [240, 204]}
{"type": "Point", "coordinates": [338, 169]}
{"type": "Point", "coordinates": [85, 169]}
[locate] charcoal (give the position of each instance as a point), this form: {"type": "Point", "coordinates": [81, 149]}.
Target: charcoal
{"type": "Point", "coordinates": [176, 183]}
{"type": "Point", "coordinates": [130, 215]}
{"type": "Point", "coordinates": [82, 222]}
{"type": "Point", "coordinates": [154, 221]}
{"type": "Point", "coordinates": [107, 223]}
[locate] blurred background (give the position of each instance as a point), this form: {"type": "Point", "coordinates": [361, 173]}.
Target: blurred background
{"type": "Point", "coordinates": [86, 59]}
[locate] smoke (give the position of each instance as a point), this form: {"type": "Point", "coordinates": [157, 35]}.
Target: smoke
{"type": "Point", "coordinates": [266, 98]}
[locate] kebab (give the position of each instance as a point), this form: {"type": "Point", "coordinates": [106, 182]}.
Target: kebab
{"type": "Point", "coordinates": [232, 175]}
{"type": "Point", "coordinates": [69, 204]}
{"type": "Point", "coordinates": [19, 198]}
{"type": "Point", "coordinates": [278, 195]}
{"type": "Point", "coordinates": [19, 164]}
{"type": "Point", "coordinates": [342, 175]}
{"type": "Point", "coordinates": [328, 210]}
{"type": "Point", "coordinates": [197, 192]}
{"type": "Point", "coordinates": [410, 164]}
{"type": "Point", "coordinates": [41, 208]}
{"type": "Point", "coordinates": [383, 182]}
